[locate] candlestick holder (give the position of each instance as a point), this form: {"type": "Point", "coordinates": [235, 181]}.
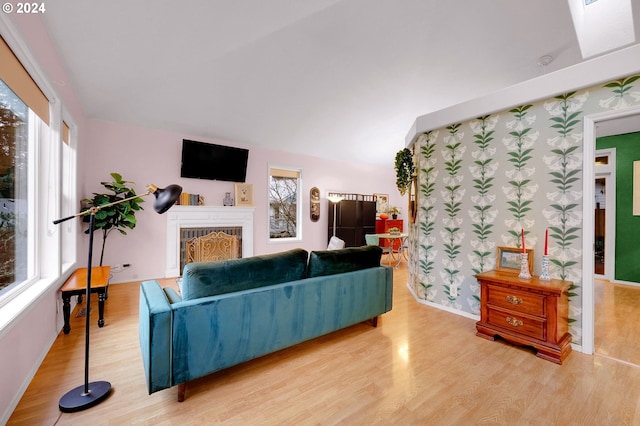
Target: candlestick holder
{"type": "Point", "coordinates": [544, 275]}
{"type": "Point", "coordinates": [524, 266]}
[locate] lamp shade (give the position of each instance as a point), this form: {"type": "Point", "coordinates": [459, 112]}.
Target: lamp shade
{"type": "Point", "coordinates": [165, 197]}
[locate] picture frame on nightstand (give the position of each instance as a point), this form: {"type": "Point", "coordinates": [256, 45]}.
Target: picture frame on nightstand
{"type": "Point", "coordinates": [508, 260]}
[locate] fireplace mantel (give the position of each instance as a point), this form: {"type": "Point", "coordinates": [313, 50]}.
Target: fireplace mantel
{"type": "Point", "coordinates": [179, 217]}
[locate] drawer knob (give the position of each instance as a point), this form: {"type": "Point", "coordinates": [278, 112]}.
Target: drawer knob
{"type": "Point", "coordinates": [514, 321]}
{"type": "Point", "coordinates": [514, 300]}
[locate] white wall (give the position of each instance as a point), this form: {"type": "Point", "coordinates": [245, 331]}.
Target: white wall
{"type": "Point", "coordinates": [153, 156]}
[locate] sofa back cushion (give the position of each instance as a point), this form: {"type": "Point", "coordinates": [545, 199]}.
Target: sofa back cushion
{"type": "Point", "coordinates": [202, 279]}
{"type": "Point", "coordinates": [329, 262]}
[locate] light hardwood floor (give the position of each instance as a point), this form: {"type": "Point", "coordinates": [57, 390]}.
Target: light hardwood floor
{"type": "Point", "coordinates": [420, 366]}
{"type": "Point", "coordinates": [617, 321]}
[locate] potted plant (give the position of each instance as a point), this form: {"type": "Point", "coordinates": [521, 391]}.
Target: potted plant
{"type": "Point", "coordinates": [121, 216]}
{"type": "Point", "coordinates": [394, 212]}
{"type": "Point", "coordinates": [405, 170]}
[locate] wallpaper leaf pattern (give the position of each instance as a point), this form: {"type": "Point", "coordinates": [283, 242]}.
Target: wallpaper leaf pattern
{"type": "Point", "coordinates": [464, 213]}
{"type": "Point", "coordinates": [623, 96]}
{"type": "Point", "coordinates": [566, 168]}
{"type": "Point", "coordinates": [428, 174]}
{"type": "Point", "coordinates": [452, 234]}
{"type": "Point", "coordinates": [521, 189]}
{"type": "Point", "coordinates": [564, 213]}
{"type": "Point", "coordinates": [483, 213]}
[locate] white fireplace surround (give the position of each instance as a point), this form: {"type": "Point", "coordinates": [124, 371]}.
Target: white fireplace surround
{"type": "Point", "coordinates": [179, 217]}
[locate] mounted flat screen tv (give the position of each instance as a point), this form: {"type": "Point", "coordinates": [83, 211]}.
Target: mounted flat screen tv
{"type": "Point", "coordinates": [202, 160]}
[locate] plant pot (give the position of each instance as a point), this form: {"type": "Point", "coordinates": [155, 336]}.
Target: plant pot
{"type": "Point", "coordinates": [394, 216]}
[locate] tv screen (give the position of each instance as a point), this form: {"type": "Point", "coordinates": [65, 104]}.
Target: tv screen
{"type": "Point", "coordinates": [202, 160]}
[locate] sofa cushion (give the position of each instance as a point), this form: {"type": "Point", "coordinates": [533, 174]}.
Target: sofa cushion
{"type": "Point", "coordinates": [329, 262]}
{"type": "Point", "coordinates": [202, 279]}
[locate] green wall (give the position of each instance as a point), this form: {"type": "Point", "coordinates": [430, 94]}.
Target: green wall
{"type": "Point", "coordinates": [627, 261]}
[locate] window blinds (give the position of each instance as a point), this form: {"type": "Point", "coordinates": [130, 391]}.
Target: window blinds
{"type": "Point", "coordinates": [18, 79]}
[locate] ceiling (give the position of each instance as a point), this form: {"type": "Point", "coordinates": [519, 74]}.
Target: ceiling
{"type": "Point", "coordinates": [341, 79]}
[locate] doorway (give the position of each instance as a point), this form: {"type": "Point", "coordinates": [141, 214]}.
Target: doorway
{"type": "Point", "coordinates": [596, 125]}
{"type": "Point", "coordinates": [612, 339]}
{"type": "Point", "coordinates": [604, 214]}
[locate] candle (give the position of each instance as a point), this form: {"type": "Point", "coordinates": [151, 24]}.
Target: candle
{"type": "Point", "coordinates": [523, 248]}
{"type": "Point", "coordinates": [546, 242]}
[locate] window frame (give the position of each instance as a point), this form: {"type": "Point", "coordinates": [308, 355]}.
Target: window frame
{"type": "Point", "coordinates": [293, 170]}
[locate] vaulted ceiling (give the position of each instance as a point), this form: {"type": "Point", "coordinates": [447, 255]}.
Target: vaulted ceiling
{"type": "Point", "coordinates": [340, 79]}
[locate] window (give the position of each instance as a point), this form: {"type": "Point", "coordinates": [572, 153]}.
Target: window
{"type": "Point", "coordinates": [602, 26]}
{"type": "Point", "coordinates": [14, 183]}
{"type": "Point", "coordinates": [284, 204]}
{"type": "Point", "coordinates": [37, 183]}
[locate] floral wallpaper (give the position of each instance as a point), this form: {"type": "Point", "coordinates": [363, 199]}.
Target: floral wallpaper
{"type": "Point", "coordinates": [481, 182]}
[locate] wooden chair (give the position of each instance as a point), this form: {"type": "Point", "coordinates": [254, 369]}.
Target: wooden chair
{"type": "Point", "coordinates": [213, 246]}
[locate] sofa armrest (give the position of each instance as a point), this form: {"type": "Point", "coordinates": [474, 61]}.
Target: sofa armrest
{"type": "Point", "coordinates": [155, 325]}
{"type": "Point", "coordinates": [172, 295]}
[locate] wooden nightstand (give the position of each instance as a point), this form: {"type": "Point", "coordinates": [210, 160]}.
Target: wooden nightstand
{"type": "Point", "coordinates": [527, 312]}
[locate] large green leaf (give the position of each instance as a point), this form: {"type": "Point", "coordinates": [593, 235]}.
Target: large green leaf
{"type": "Point", "coordinates": [120, 216]}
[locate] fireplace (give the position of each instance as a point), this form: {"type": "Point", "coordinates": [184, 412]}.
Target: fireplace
{"type": "Point", "coordinates": [187, 220]}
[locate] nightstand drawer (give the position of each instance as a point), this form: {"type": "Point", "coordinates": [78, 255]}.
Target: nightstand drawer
{"type": "Point", "coordinates": [531, 327]}
{"type": "Point", "coordinates": [515, 300]}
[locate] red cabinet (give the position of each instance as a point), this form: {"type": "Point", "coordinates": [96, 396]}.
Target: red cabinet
{"type": "Point", "coordinates": [383, 226]}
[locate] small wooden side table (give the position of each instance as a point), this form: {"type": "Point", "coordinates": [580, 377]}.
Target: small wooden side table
{"type": "Point", "coordinates": [76, 285]}
{"type": "Point", "coordinates": [528, 312]}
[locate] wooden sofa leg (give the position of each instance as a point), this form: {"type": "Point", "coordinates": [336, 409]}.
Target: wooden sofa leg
{"type": "Point", "coordinates": [374, 321]}
{"type": "Point", "coordinates": [182, 387]}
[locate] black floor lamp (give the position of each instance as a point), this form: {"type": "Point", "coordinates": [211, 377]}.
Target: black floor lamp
{"type": "Point", "coordinates": [90, 394]}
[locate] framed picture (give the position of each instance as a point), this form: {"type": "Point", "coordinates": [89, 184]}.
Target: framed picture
{"type": "Point", "coordinates": [382, 203]}
{"type": "Point", "coordinates": [244, 194]}
{"type": "Point", "coordinates": [509, 260]}
{"type": "Point", "coordinates": [314, 200]}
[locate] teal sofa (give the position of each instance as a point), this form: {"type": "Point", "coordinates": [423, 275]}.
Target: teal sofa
{"type": "Point", "coordinates": [233, 311]}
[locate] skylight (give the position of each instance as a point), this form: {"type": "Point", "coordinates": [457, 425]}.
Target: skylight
{"type": "Point", "coordinates": [603, 26]}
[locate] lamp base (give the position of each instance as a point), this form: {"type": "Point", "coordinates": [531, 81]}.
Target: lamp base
{"type": "Point", "coordinates": [77, 400]}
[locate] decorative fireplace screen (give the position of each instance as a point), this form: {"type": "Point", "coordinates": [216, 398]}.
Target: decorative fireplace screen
{"type": "Point", "coordinates": [187, 234]}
